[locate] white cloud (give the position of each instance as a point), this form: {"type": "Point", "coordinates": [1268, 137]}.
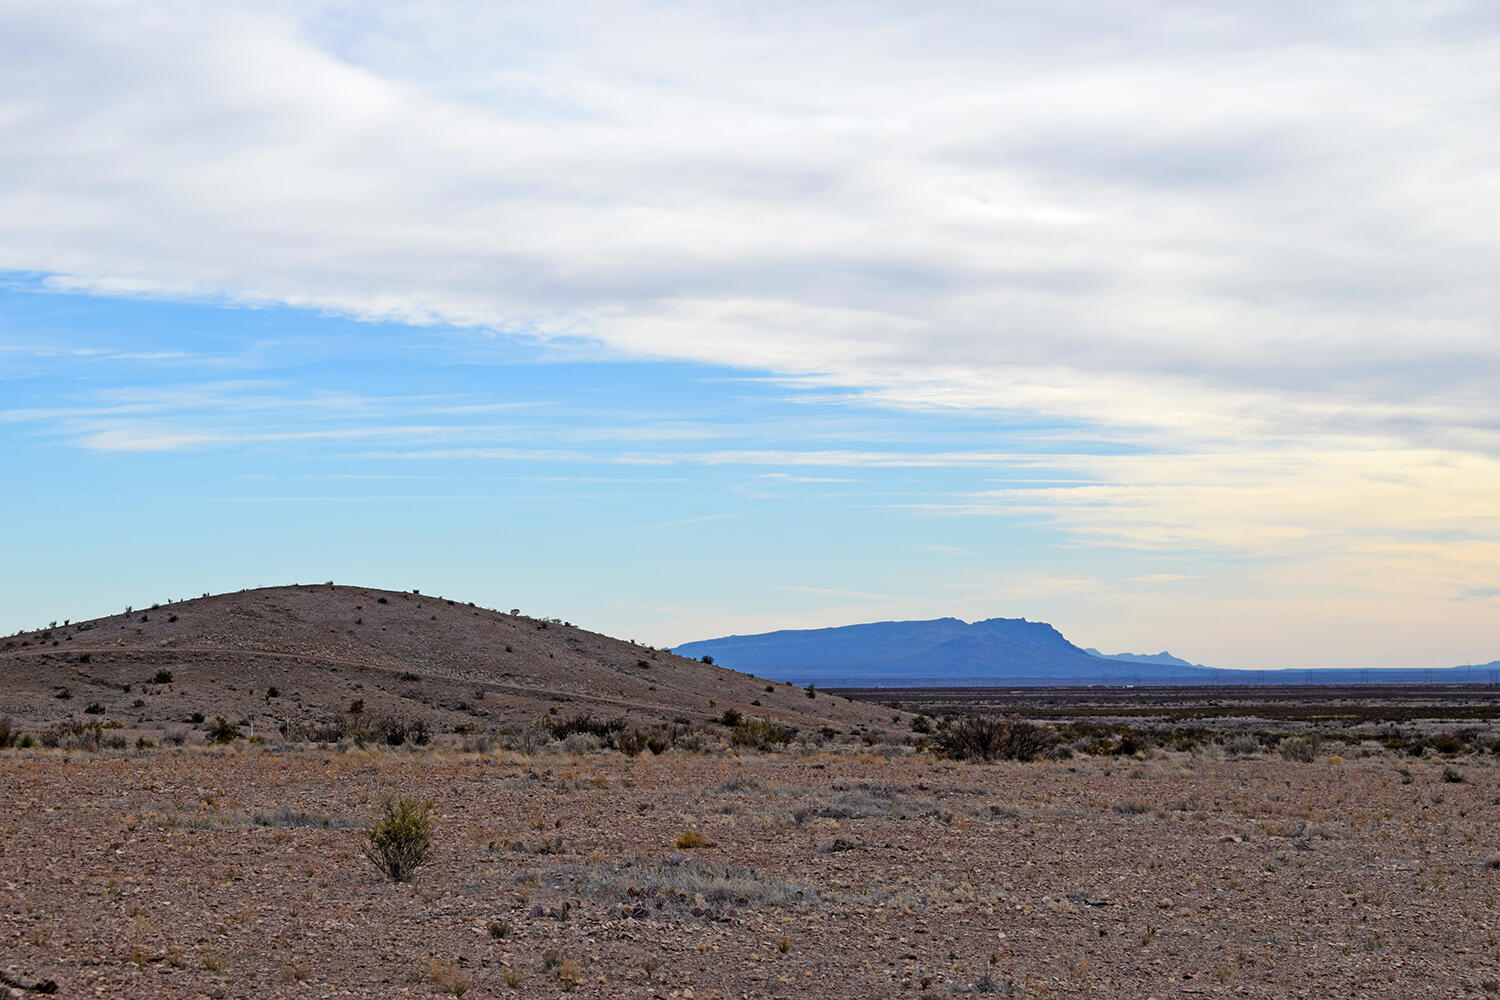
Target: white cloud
{"type": "Point", "coordinates": [1247, 238]}
{"type": "Point", "coordinates": [1149, 217]}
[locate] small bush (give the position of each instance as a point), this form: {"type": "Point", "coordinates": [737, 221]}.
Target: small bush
{"type": "Point", "coordinates": [162, 677]}
{"type": "Point", "coordinates": [1241, 745]}
{"type": "Point", "coordinates": [731, 717]}
{"type": "Point", "coordinates": [692, 838]}
{"type": "Point", "coordinates": [1450, 744]}
{"type": "Point", "coordinates": [986, 737]}
{"type": "Point", "coordinates": [286, 816]}
{"type": "Point", "coordinates": [400, 842]}
{"type": "Point", "coordinates": [761, 734]}
{"type": "Point", "coordinates": [1302, 749]}
{"type": "Point", "coordinates": [395, 732]}
{"type": "Point", "coordinates": [449, 976]}
{"type": "Point", "coordinates": [632, 742]}
{"type": "Point", "coordinates": [921, 724]}
{"type": "Point", "coordinates": [223, 731]}
{"type": "Point", "coordinates": [1452, 775]}
{"type": "Point", "coordinates": [586, 723]}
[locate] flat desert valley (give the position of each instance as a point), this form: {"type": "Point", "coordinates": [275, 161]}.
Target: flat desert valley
{"type": "Point", "coordinates": [728, 837]}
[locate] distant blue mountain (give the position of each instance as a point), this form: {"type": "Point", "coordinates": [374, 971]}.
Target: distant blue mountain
{"type": "Point", "coordinates": [1001, 651]}
{"type": "Point", "coordinates": [1163, 659]}
{"type": "Point", "coordinates": [945, 651]}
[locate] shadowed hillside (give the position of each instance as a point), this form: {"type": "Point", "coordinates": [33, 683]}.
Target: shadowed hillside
{"type": "Point", "coordinates": [298, 655]}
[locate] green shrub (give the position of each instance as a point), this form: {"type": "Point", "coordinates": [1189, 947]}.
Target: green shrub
{"type": "Point", "coordinates": [731, 717]}
{"type": "Point", "coordinates": [400, 842]}
{"type": "Point", "coordinates": [223, 731]}
{"type": "Point", "coordinates": [162, 677]}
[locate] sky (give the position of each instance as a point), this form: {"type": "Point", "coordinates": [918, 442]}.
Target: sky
{"type": "Point", "coordinates": [1174, 325]}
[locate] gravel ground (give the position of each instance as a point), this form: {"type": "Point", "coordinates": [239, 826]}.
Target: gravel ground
{"type": "Point", "coordinates": [193, 872]}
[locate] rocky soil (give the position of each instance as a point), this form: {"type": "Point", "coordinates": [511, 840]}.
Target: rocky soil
{"type": "Point", "coordinates": [238, 872]}
{"type": "Point", "coordinates": [299, 656]}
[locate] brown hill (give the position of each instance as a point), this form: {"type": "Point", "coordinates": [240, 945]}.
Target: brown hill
{"type": "Point", "coordinates": [294, 658]}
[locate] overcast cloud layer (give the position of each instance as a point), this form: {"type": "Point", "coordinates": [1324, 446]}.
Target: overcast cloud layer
{"type": "Point", "coordinates": [1253, 243]}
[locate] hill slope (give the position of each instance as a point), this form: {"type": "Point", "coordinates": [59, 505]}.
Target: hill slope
{"type": "Point", "coordinates": [303, 653]}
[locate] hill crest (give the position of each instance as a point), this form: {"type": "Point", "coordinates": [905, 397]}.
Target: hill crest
{"type": "Point", "coordinates": [301, 652]}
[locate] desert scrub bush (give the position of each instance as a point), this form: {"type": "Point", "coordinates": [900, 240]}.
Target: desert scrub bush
{"type": "Point", "coordinates": [74, 736]}
{"type": "Point", "coordinates": [394, 731]}
{"type": "Point", "coordinates": [1302, 749]}
{"type": "Point", "coordinates": [449, 976]}
{"type": "Point", "coordinates": [286, 816]}
{"type": "Point", "coordinates": [632, 742]}
{"type": "Point", "coordinates": [986, 737]}
{"type": "Point", "coordinates": [586, 723]}
{"type": "Point", "coordinates": [1241, 745]}
{"type": "Point", "coordinates": [162, 677]}
{"type": "Point", "coordinates": [677, 890]}
{"type": "Point", "coordinates": [761, 734]}
{"type": "Point", "coordinates": [691, 839]}
{"type": "Point", "coordinates": [223, 731]}
{"type": "Point", "coordinates": [400, 841]}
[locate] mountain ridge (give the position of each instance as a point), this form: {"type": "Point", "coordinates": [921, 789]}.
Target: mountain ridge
{"type": "Point", "coordinates": [1006, 651]}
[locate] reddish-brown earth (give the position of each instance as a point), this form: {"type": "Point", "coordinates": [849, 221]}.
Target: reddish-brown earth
{"type": "Point", "coordinates": [850, 864]}
{"type": "Point", "coordinates": [208, 872]}
{"type": "Point", "coordinates": [410, 655]}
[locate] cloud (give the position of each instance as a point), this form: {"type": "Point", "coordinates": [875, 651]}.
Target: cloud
{"type": "Point", "coordinates": [1137, 217]}
{"type": "Point", "coordinates": [1232, 247]}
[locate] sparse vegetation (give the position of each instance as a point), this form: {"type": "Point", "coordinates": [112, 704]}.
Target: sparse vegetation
{"type": "Point", "coordinates": [692, 838]}
{"type": "Point", "coordinates": [1302, 749]}
{"type": "Point", "coordinates": [223, 731]}
{"type": "Point", "coordinates": [986, 737]}
{"type": "Point", "coordinates": [400, 842]}
{"type": "Point", "coordinates": [761, 734]}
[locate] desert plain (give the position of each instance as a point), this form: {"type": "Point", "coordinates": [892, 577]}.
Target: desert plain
{"type": "Point", "coordinates": [851, 860]}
